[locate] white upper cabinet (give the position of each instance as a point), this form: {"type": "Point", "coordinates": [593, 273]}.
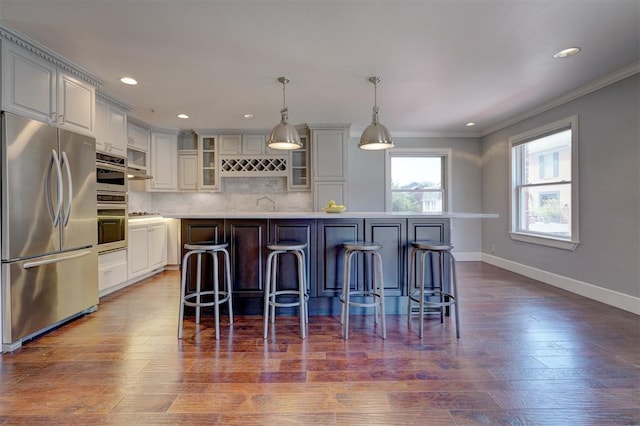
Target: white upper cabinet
{"type": "Point", "coordinates": [164, 162]}
{"type": "Point", "coordinates": [111, 127]}
{"type": "Point", "coordinates": [36, 88]}
{"type": "Point", "coordinates": [230, 144]}
{"type": "Point", "coordinates": [244, 145]}
{"type": "Point", "coordinates": [329, 156]}
{"type": "Point", "coordinates": [76, 102]}
{"type": "Point", "coordinates": [137, 137]}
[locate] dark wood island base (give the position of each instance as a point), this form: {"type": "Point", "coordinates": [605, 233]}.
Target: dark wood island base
{"type": "Point", "coordinates": [324, 234]}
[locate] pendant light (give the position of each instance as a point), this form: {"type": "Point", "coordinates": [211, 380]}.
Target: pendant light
{"type": "Point", "coordinates": [375, 136]}
{"type": "Point", "coordinates": [284, 135]}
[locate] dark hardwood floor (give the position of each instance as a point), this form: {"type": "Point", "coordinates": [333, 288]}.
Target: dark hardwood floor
{"type": "Point", "coordinates": [529, 354]}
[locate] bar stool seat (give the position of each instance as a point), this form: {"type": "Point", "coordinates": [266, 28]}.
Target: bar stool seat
{"type": "Point", "coordinates": [202, 298]}
{"type": "Point", "coordinates": [434, 297]}
{"type": "Point", "coordinates": [376, 291]}
{"type": "Point", "coordinates": [273, 293]}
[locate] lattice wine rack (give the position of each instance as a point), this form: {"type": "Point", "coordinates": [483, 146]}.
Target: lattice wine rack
{"type": "Point", "coordinates": [252, 166]}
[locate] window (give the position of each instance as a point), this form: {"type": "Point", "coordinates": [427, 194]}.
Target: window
{"type": "Point", "coordinates": [544, 186]}
{"type": "Point", "coordinates": [417, 180]}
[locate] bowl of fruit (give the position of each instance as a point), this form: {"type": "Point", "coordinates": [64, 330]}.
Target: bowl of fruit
{"type": "Point", "coordinates": [332, 207]}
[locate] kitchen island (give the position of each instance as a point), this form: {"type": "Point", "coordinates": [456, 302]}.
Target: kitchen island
{"type": "Point", "coordinates": [249, 232]}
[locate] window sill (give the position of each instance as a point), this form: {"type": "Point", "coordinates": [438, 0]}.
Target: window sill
{"type": "Point", "coordinates": [544, 241]}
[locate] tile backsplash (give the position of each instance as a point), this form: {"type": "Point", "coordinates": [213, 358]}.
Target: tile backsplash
{"type": "Point", "coordinates": [238, 194]}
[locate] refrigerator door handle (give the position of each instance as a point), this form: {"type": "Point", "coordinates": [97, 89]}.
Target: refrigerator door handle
{"type": "Point", "coordinates": [54, 214]}
{"type": "Point", "coordinates": [65, 216]}
{"type": "Point", "coordinates": [49, 261]}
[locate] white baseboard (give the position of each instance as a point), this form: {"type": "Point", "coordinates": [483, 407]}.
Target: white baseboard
{"type": "Point", "coordinates": [468, 256]}
{"type": "Point", "coordinates": [609, 297]}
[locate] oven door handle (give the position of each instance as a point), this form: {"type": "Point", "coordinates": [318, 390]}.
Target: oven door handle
{"type": "Point", "coordinates": [113, 167]}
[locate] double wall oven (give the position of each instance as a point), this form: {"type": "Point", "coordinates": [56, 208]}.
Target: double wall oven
{"type": "Point", "coordinates": [111, 178]}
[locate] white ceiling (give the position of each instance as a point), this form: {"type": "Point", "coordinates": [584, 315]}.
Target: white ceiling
{"type": "Point", "coordinates": [442, 63]}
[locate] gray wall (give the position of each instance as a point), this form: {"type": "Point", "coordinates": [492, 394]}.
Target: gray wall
{"type": "Point", "coordinates": [609, 193]}
{"type": "Point", "coordinates": [366, 182]}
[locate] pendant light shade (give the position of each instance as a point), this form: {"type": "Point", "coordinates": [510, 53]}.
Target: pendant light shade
{"type": "Point", "coordinates": [284, 135]}
{"type": "Point", "coordinates": [375, 136]}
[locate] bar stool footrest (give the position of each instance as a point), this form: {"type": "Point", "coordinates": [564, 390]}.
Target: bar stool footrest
{"type": "Point", "coordinates": [223, 296]}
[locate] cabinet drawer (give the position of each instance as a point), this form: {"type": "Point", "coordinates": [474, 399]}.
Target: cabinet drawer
{"type": "Point", "coordinates": [112, 257]}
{"type": "Point", "coordinates": [112, 270]}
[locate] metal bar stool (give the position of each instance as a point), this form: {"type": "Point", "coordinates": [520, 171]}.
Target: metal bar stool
{"type": "Point", "coordinates": [376, 291]}
{"type": "Point", "coordinates": [425, 296]}
{"type": "Point", "coordinates": [213, 249]}
{"type": "Point", "coordinates": [272, 293]}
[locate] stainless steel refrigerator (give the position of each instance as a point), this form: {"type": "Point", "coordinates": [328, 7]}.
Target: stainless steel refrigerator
{"type": "Point", "coordinates": [49, 227]}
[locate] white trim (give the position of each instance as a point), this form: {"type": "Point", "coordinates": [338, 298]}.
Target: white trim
{"type": "Point", "coordinates": [447, 153]}
{"type": "Point", "coordinates": [610, 297]}
{"type": "Point", "coordinates": [515, 175]}
{"type": "Point", "coordinates": [544, 240]}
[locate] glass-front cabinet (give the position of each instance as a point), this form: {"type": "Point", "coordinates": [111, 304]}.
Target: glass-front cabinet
{"type": "Point", "coordinates": [208, 163]}
{"type": "Point", "coordinates": [298, 179]}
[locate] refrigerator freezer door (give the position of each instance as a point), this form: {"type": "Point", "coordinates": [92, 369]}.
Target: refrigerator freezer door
{"type": "Point", "coordinates": [40, 292]}
{"type": "Point", "coordinates": [79, 210]}
{"type": "Point", "coordinates": [29, 172]}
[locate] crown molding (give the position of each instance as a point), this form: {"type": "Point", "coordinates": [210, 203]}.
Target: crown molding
{"type": "Point", "coordinates": [420, 134]}
{"type": "Point", "coordinates": [131, 119]}
{"type": "Point", "coordinates": [47, 54]}
{"type": "Point", "coordinates": [329, 126]}
{"type": "Point", "coordinates": [588, 88]}
{"type": "Point", "coordinates": [164, 130]}
{"type": "Point", "coordinates": [113, 100]}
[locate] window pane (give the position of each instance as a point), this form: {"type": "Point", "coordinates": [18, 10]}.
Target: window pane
{"type": "Point", "coordinates": [417, 202]}
{"type": "Point", "coordinates": [546, 209]}
{"type": "Point", "coordinates": [548, 158]}
{"type": "Point", "coordinates": [413, 173]}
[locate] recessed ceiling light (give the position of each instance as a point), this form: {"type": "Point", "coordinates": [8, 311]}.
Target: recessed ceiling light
{"type": "Point", "coordinates": [565, 53]}
{"type": "Point", "coordinates": [248, 115]}
{"type": "Point", "coordinates": [128, 80]}
{"type": "Point", "coordinates": [469, 124]}
{"type": "Point", "coordinates": [185, 116]}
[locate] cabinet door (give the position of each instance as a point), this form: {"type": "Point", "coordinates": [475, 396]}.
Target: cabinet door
{"type": "Point", "coordinates": [157, 245]}
{"type": "Point", "coordinates": [230, 144]}
{"type": "Point", "coordinates": [299, 179]}
{"type": "Point", "coordinates": [326, 191]}
{"type": "Point", "coordinates": [164, 162]}
{"type": "Point", "coordinates": [116, 120]}
{"type": "Point", "coordinates": [28, 84]}
{"type": "Point", "coordinates": [331, 233]}
{"type": "Point", "coordinates": [76, 102]}
{"type": "Point", "coordinates": [137, 137]}
{"type": "Point", "coordinates": [392, 234]}
{"type": "Point", "coordinates": [299, 230]}
{"type": "Point", "coordinates": [138, 250]}
{"type": "Point", "coordinates": [247, 239]}
{"type": "Point", "coordinates": [101, 125]}
{"type": "Point", "coordinates": [208, 162]}
{"type": "Point", "coordinates": [188, 172]}
{"type": "Point", "coordinates": [253, 144]}
{"type": "Point", "coordinates": [329, 155]}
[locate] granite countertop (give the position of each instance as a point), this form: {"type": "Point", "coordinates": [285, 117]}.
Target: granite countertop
{"type": "Point", "coordinates": [323, 215]}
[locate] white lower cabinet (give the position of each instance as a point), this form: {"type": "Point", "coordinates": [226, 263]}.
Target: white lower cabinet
{"type": "Point", "coordinates": [112, 271]}
{"type": "Point", "coordinates": [147, 248]}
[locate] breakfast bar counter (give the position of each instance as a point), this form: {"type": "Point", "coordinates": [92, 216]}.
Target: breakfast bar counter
{"type": "Point", "coordinates": [248, 234]}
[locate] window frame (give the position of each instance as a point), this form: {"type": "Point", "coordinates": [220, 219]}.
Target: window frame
{"type": "Point", "coordinates": [515, 176]}
{"type": "Point", "coordinates": [446, 156]}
